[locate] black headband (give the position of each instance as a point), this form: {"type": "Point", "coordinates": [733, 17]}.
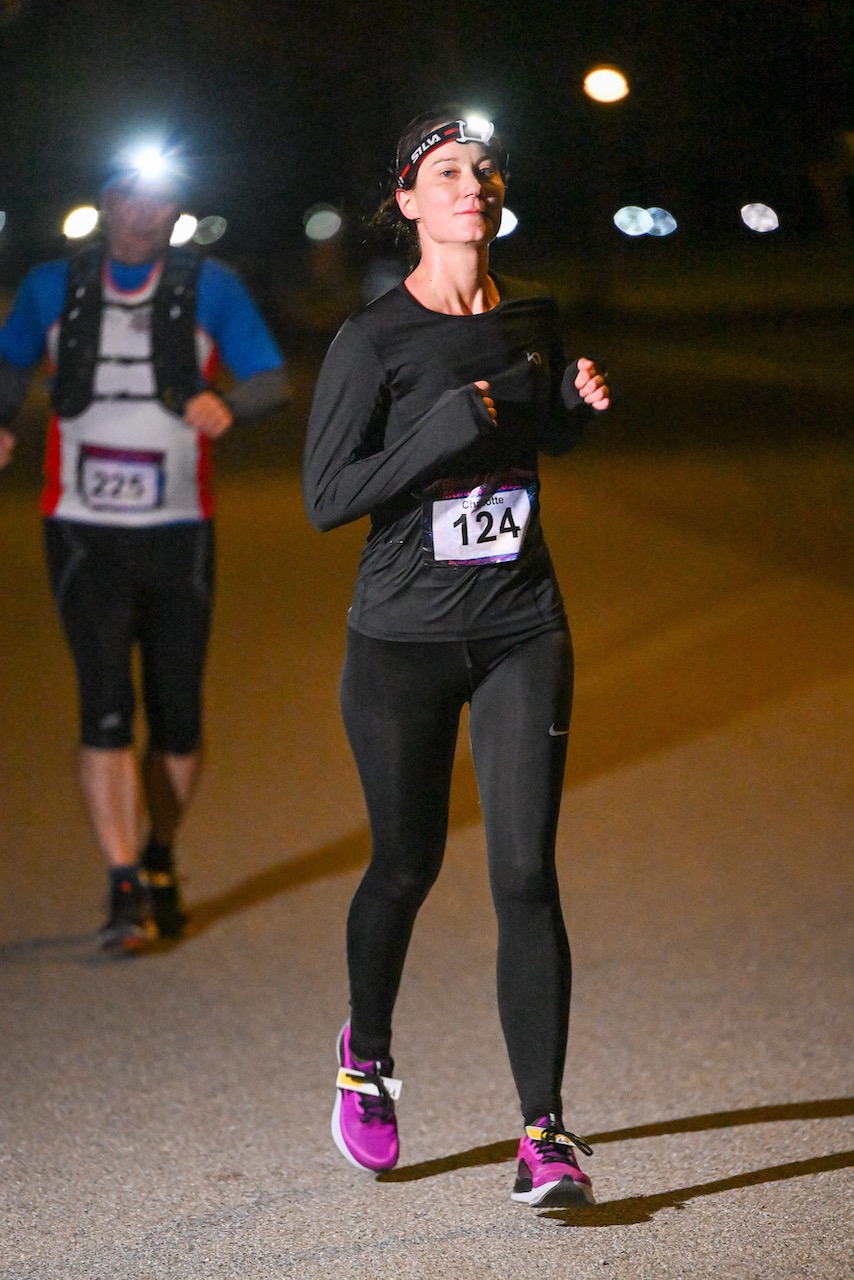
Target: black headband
{"type": "Point", "coordinates": [474, 129]}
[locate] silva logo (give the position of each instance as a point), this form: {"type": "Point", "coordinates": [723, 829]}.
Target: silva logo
{"type": "Point", "coordinates": [425, 145]}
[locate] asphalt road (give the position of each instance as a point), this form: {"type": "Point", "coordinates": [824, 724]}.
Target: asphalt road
{"type": "Point", "coordinates": [166, 1117]}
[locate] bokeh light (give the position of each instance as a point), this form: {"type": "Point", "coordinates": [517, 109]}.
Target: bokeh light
{"type": "Point", "coordinates": [210, 229]}
{"type": "Point", "coordinates": [509, 223]}
{"type": "Point", "coordinates": [606, 84]}
{"type": "Point", "coordinates": [759, 217]}
{"type": "Point", "coordinates": [321, 222]}
{"type": "Point", "coordinates": [663, 223]}
{"type": "Point", "coordinates": [184, 229]}
{"type": "Point", "coordinates": [80, 222]}
{"type": "Point", "coordinates": [633, 221]}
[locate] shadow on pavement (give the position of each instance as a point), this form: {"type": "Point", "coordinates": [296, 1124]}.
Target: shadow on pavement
{"type": "Point", "coordinates": [637, 1209]}
{"type": "Point", "coordinates": [346, 854]}
{"type": "Point", "coordinates": [52, 947]}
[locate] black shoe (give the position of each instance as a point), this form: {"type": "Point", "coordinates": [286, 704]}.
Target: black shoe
{"type": "Point", "coordinates": [157, 873]}
{"type": "Point", "coordinates": [129, 924]}
{"type": "Point", "coordinates": [164, 899]}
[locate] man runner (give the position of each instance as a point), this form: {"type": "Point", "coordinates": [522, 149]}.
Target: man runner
{"type": "Point", "coordinates": [133, 331]}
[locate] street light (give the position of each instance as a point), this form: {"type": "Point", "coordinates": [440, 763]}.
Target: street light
{"type": "Point", "coordinates": [184, 229]}
{"type": "Point", "coordinates": [606, 84]}
{"type": "Point", "coordinates": [759, 217]}
{"type": "Point", "coordinates": [322, 222]}
{"type": "Point", "coordinates": [210, 229]}
{"type": "Point", "coordinates": [632, 220]}
{"type": "Point", "coordinates": [509, 223]}
{"type": "Point", "coordinates": [80, 222]}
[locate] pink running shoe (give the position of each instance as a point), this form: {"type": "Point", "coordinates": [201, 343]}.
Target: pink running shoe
{"type": "Point", "coordinates": [364, 1127]}
{"type": "Point", "coordinates": [548, 1175]}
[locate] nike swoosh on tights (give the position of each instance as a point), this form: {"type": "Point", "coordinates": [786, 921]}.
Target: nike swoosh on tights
{"type": "Point", "coordinates": [557, 733]}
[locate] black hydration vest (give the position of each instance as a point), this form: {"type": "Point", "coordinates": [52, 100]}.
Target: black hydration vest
{"type": "Point", "coordinates": [173, 332]}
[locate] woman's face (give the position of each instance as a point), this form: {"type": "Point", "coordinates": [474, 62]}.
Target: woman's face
{"type": "Point", "coordinates": [457, 197]}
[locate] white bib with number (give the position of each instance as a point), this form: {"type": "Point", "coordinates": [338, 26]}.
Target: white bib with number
{"type": "Point", "coordinates": [127, 480]}
{"type": "Point", "coordinates": [485, 525]}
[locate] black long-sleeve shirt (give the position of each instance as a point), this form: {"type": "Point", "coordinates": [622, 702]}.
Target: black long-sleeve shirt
{"type": "Point", "coordinates": [396, 424]}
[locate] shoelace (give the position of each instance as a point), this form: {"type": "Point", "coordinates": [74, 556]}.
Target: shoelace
{"type": "Point", "coordinates": [552, 1151]}
{"type": "Point", "coordinates": [380, 1108]}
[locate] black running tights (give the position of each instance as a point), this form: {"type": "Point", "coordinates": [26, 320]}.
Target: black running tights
{"type": "Point", "coordinates": [401, 703]}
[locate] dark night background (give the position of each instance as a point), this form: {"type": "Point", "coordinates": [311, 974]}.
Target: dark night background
{"type": "Point", "coordinates": [279, 105]}
{"type": "Point", "coordinates": [275, 107]}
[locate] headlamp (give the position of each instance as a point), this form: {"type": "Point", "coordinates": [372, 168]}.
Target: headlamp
{"type": "Point", "coordinates": [476, 129]}
{"type": "Point", "coordinates": [151, 164]}
{"type": "Point", "coordinates": [149, 170]}
{"type": "Point", "coordinates": [473, 129]}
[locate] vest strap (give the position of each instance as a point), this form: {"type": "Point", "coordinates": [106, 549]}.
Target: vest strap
{"type": "Point", "coordinates": [173, 332]}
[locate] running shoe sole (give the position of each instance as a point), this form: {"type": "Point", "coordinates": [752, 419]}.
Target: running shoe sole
{"type": "Point", "coordinates": [127, 937]}
{"type": "Point", "coordinates": [564, 1194]}
{"type": "Point", "coordinates": [338, 1138]}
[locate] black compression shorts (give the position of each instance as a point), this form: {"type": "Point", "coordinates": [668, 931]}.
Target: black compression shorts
{"type": "Point", "coordinates": [115, 588]}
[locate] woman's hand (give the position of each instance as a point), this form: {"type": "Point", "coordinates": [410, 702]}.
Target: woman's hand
{"type": "Point", "coordinates": [483, 388]}
{"type": "Point", "coordinates": [591, 383]}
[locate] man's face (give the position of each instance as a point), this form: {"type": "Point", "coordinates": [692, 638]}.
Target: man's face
{"type": "Point", "coordinates": [139, 218]}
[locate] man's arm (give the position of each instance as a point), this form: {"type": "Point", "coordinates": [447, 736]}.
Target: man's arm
{"type": "Point", "coordinates": [212, 414]}
{"type": "Point", "coordinates": [260, 394]}
{"type": "Point", "coordinates": [229, 314]}
{"type": "Point", "coordinates": [22, 341]}
{"type": "Point", "coordinates": [14, 384]}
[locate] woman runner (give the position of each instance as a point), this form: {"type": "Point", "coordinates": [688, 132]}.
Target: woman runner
{"type": "Point", "coordinates": [430, 409]}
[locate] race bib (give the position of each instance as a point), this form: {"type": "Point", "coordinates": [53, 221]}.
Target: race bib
{"type": "Point", "coordinates": [124, 480]}
{"type": "Point", "coordinates": [483, 525]}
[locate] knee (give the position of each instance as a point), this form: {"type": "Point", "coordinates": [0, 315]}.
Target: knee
{"type": "Point", "coordinates": [107, 730]}
{"type": "Point", "coordinates": [173, 728]}
{"type": "Point", "coordinates": [401, 883]}
{"type": "Point", "coordinates": [174, 740]}
{"type": "Point", "coordinates": [518, 881]}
